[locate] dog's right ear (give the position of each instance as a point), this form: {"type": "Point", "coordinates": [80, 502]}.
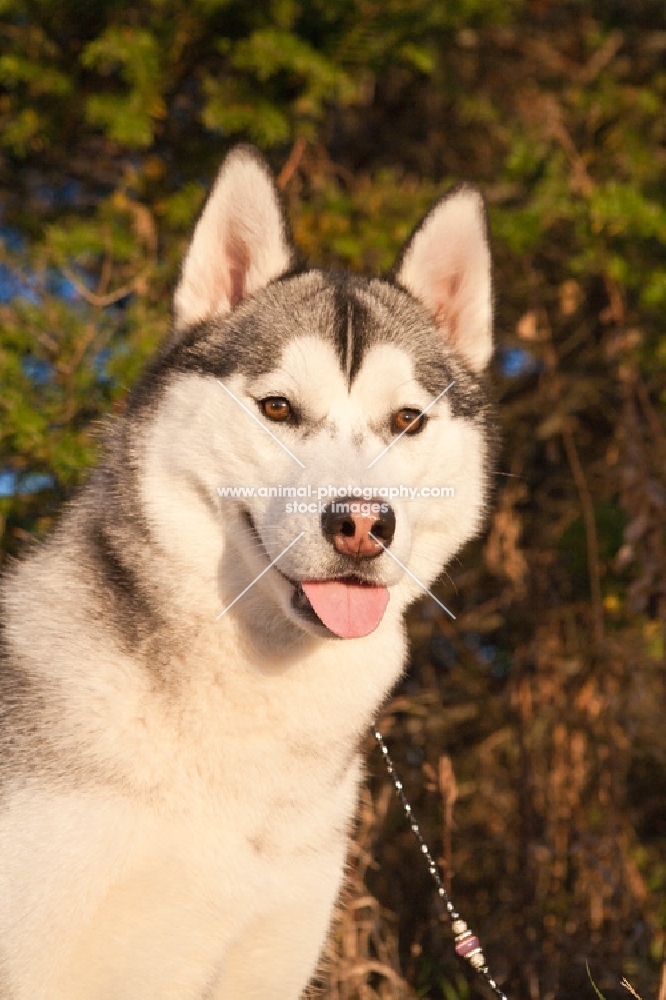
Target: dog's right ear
{"type": "Point", "coordinates": [446, 265]}
{"type": "Point", "coordinates": [240, 242]}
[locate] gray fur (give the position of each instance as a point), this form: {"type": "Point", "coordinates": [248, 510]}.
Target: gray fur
{"type": "Point", "coordinates": [177, 783]}
{"type": "Point", "coordinates": [351, 313]}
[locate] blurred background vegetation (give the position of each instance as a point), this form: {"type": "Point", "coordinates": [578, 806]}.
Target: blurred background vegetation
{"type": "Point", "coordinates": [530, 733]}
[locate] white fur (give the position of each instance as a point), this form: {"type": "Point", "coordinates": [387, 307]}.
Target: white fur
{"type": "Point", "coordinates": [196, 848]}
{"type": "Point", "coordinates": [239, 243]}
{"type": "Point", "coordinates": [447, 266]}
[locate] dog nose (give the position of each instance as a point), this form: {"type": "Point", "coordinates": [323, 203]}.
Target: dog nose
{"type": "Point", "coordinates": [348, 523]}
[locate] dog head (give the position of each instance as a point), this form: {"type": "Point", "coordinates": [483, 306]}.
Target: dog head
{"type": "Point", "coordinates": [334, 427]}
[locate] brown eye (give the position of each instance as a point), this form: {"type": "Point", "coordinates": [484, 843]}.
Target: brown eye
{"type": "Point", "coordinates": [276, 408]}
{"type": "Point", "coordinates": [407, 421]}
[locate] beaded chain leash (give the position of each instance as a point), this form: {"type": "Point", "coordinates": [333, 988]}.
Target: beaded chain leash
{"type": "Point", "coordinates": [466, 942]}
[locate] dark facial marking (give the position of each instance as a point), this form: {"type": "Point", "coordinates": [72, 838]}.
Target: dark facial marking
{"type": "Point", "coordinates": [353, 332]}
{"type": "Point", "coordinates": [252, 338]}
{"type": "Point", "coordinates": [467, 397]}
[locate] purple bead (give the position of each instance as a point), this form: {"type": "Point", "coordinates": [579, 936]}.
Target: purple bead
{"type": "Point", "coordinates": [463, 948]}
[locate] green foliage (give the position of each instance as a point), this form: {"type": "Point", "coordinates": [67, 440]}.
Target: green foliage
{"type": "Point", "coordinates": [133, 55]}
{"type": "Point", "coordinates": [594, 985]}
{"type": "Point", "coordinates": [548, 692]}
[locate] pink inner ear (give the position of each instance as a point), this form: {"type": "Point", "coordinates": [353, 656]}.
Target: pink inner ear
{"type": "Point", "coordinates": [446, 311]}
{"type": "Point", "coordinates": [239, 263]}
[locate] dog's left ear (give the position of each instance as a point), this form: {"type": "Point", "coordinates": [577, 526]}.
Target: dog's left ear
{"type": "Point", "coordinates": [446, 265]}
{"type": "Point", "coordinates": [240, 242]}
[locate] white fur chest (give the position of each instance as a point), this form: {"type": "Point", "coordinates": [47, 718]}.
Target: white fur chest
{"type": "Point", "coordinates": [227, 798]}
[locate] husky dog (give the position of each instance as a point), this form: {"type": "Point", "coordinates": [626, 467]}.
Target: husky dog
{"type": "Point", "coordinates": [186, 676]}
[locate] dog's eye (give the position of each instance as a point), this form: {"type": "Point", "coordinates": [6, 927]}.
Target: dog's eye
{"type": "Point", "coordinates": [407, 421]}
{"type": "Point", "coordinates": [276, 408]}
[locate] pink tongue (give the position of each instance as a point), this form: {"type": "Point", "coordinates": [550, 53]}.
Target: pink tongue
{"type": "Point", "coordinates": [351, 610]}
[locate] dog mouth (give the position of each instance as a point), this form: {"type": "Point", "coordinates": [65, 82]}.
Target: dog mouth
{"type": "Point", "coordinates": [349, 606]}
